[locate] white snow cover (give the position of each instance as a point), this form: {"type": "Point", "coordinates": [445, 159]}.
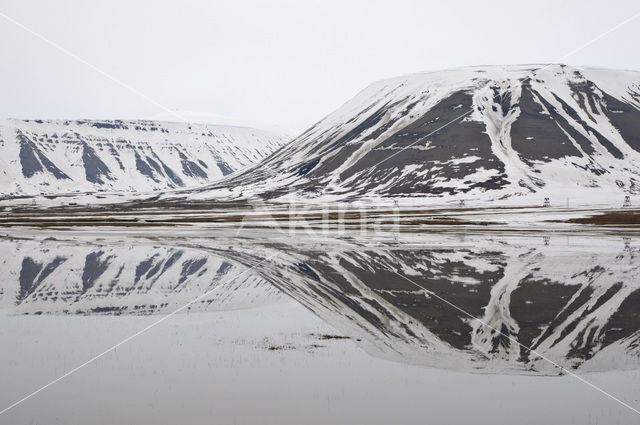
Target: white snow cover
{"type": "Point", "coordinates": [123, 156]}
{"type": "Point", "coordinates": [405, 99]}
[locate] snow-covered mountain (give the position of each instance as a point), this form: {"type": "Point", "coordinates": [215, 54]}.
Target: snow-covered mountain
{"type": "Point", "coordinates": [53, 157]}
{"type": "Point", "coordinates": [479, 132]}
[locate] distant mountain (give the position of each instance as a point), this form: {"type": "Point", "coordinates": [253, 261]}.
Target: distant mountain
{"type": "Point", "coordinates": [53, 157]}
{"type": "Point", "coordinates": [490, 132]}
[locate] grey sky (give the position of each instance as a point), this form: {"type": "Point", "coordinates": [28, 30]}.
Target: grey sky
{"type": "Point", "coordinates": [277, 63]}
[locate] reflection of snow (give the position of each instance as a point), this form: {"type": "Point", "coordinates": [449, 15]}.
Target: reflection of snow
{"type": "Point", "coordinates": [359, 287]}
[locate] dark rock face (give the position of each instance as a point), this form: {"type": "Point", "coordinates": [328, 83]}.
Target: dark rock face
{"type": "Point", "coordinates": [190, 168]}
{"type": "Point", "coordinates": [625, 118]}
{"type": "Point", "coordinates": [427, 143]}
{"type": "Point", "coordinates": [223, 166]}
{"type": "Point", "coordinates": [144, 167]}
{"type": "Point", "coordinates": [536, 136]}
{"type": "Point", "coordinates": [490, 132]}
{"type": "Point", "coordinates": [95, 170]}
{"type": "Point", "coordinates": [34, 161]}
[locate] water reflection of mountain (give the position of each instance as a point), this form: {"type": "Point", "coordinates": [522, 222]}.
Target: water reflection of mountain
{"type": "Point", "coordinates": [120, 277]}
{"type": "Point", "coordinates": [574, 300]}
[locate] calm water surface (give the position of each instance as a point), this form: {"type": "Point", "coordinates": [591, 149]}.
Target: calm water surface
{"type": "Point", "coordinates": [440, 328]}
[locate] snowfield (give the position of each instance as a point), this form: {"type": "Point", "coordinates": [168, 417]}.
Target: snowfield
{"type": "Point", "coordinates": [58, 157]}
{"type": "Point", "coordinates": [479, 133]}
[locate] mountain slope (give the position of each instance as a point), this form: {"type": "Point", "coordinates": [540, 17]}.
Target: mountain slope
{"type": "Point", "coordinates": [486, 132]}
{"type": "Point", "coordinates": [51, 157]}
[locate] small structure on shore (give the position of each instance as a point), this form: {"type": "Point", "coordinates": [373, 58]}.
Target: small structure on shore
{"type": "Point", "coordinates": [546, 203]}
{"type": "Point", "coordinates": [627, 202]}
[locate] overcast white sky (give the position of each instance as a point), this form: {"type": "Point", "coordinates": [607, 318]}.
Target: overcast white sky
{"type": "Point", "coordinates": [277, 63]}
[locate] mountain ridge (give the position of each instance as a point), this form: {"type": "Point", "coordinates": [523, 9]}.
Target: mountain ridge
{"type": "Point", "coordinates": [53, 157]}
{"type": "Point", "coordinates": [543, 130]}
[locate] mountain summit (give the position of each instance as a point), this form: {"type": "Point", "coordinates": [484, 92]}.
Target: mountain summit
{"type": "Point", "coordinates": [489, 132]}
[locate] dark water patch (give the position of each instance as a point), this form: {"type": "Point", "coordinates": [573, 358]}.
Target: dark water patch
{"type": "Point", "coordinates": [530, 307]}
{"type": "Point", "coordinates": [28, 272]}
{"type": "Point", "coordinates": [49, 268]}
{"type": "Point", "coordinates": [224, 268]}
{"type": "Point", "coordinates": [191, 267]}
{"type": "Point", "coordinates": [94, 267]}
{"type": "Point", "coordinates": [171, 261]}
{"type": "Point", "coordinates": [144, 266]}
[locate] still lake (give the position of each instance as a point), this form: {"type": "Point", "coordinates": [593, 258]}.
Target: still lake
{"type": "Point", "coordinates": [439, 327]}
